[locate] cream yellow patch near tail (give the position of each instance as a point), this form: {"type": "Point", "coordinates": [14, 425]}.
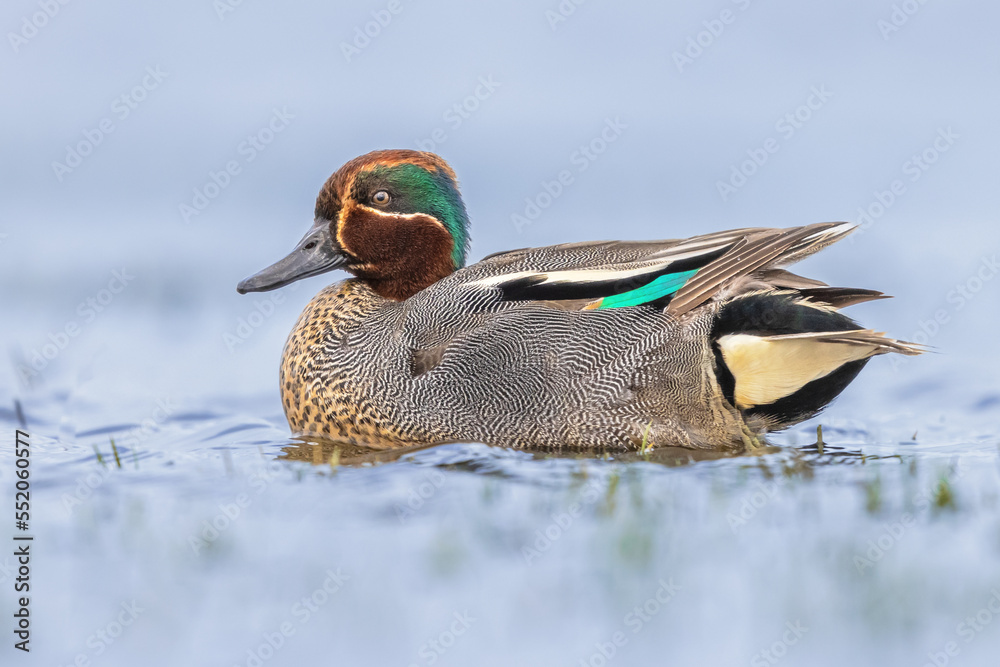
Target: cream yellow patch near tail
{"type": "Point", "coordinates": [768, 368]}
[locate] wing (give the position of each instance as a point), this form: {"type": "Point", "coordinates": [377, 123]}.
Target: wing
{"type": "Point", "coordinates": [679, 275]}
{"type": "Point", "coordinates": [775, 248]}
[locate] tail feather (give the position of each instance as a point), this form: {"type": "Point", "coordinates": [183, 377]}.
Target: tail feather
{"type": "Point", "coordinates": [782, 358]}
{"type": "Point", "coordinates": [881, 343]}
{"type": "Point", "coordinates": [842, 297]}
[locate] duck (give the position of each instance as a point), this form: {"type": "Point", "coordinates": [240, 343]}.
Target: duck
{"type": "Point", "coordinates": [705, 343]}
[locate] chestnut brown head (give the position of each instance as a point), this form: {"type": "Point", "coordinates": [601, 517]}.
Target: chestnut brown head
{"type": "Point", "coordinates": [393, 218]}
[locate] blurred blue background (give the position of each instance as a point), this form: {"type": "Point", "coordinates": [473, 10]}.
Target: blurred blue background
{"type": "Point", "coordinates": [223, 71]}
{"type": "Point", "coordinates": [155, 154]}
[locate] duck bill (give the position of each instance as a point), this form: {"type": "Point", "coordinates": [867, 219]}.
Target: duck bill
{"type": "Point", "coordinates": [316, 253]}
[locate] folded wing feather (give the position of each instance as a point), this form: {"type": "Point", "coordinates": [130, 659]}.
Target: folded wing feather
{"type": "Point", "coordinates": [707, 264]}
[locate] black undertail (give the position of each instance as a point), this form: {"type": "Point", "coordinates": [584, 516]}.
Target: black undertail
{"type": "Point", "coordinates": [772, 314]}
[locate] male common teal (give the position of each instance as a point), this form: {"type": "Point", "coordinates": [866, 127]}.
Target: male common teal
{"type": "Point", "coordinates": [703, 342]}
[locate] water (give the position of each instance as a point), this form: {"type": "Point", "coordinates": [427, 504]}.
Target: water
{"type": "Point", "coordinates": [215, 525]}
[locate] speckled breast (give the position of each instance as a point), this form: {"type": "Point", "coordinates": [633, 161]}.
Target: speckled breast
{"type": "Point", "coordinates": [329, 375]}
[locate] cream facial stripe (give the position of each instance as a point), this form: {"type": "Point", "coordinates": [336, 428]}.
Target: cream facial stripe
{"type": "Point", "coordinates": [403, 216]}
{"type": "Point", "coordinates": [340, 229]}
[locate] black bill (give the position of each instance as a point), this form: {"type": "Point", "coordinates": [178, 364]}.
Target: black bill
{"type": "Point", "coordinates": [316, 253]}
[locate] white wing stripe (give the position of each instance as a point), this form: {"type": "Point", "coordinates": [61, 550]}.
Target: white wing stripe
{"type": "Point", "coordinates": [596, 275]}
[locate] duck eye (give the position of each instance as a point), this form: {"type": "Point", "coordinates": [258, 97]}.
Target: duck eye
{"type": "Point", "coordinates": [381, 198]}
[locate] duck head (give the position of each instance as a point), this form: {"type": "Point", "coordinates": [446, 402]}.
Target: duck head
{"type": "Point", "coordinates": [393, 218]}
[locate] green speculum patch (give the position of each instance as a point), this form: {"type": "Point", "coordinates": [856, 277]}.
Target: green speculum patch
{"type": "Point", "coordinates": [661, 287]}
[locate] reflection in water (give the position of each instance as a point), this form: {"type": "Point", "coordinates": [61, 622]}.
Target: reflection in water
{"type": "Point", "coordinates": [321, 451]}
{"type": "Point", "coordinates": [792, 461]}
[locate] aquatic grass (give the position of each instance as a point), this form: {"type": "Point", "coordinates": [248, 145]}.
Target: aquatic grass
{"type": "Point", "coordinates": [19, 412]}
{"type": "Point", "coordinates": [944, 497]}
{"type": "Point", "coordinates": [579, 475]}
{"type": "Point", "coordinates": [635, 545]}
{"type": "Point", "coordinates": [447, 553]}
{"type": "Point", "coordinates": [765, 469]}
{"type": "Point", "coordinates": [645, 447]}
{"type": "Point", "coordinates": [114, 449]}
{"type": "Point", "coordinates": [489, 492]}
{"type": "Point", "coordinates": [801, 466]}
{"type": "Point", "coordinates": [610, 494]}
{"type": "Point", "coordinates": [635, 487]}
{"type": "Point", "coordinates": [873, 494]}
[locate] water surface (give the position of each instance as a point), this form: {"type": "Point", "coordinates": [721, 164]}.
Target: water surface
{"type": "Point", "coordinates": [225, 532]}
